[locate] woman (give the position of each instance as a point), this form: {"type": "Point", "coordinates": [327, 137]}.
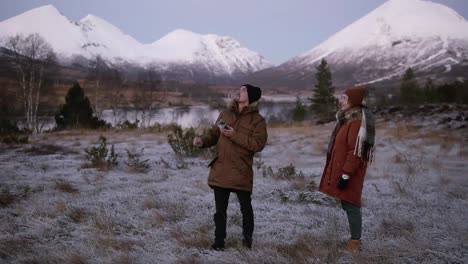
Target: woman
{"type": "Point", "coordinates": [350, 150]}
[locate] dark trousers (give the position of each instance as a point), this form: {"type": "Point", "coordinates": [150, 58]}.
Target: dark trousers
{"type": "Point", "coordinates": [220, 217]}
{"type": "Point", "coordinates": [354, 218]}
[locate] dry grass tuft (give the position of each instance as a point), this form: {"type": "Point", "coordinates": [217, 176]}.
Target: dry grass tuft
{"type": "Point", "coordinates": [105, 223]}
{"type": "Point", "coordinates": [76, 259]}
{"type": "Point", "coordinates": [198, 238]}
{"type": "Point", "coordinates": [63, 186]}
{"type": "Point", "coordinates": [119, 244]}
{"type": "Point", "coordinates": [7, 198]}
{"type": "Point", "coordinates": [77, 215]}
{"type": "Point", "coordinates": [123, 258]}
{"type": "Point", "coordinates": [100, 166]}
{"type": "Point", "coordinates": [190, 259]}
{"type": "Point", "coordinates": [307, 249]}
{"type": "Point", "coordinates": [60, 207]}
{"type": "Point", "coordinates": [49, 149]}
{"type": "Point", "coordinates": [14, 246]}
{"type": "Point", "coordinates": [167, 212]}
{"type": "Point", "coordinates": [150, 203]}
{"type": "Point", "coordinates": [395, 227]}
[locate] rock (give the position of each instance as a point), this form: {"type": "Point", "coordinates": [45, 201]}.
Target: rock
{"type": "Point", "coordinates": [445, 120]}
{"type": "Point", "coordinates": [394, 109]}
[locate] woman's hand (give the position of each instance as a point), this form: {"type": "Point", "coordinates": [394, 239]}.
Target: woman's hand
{"type": "Point", "coordinates": [197, 142]}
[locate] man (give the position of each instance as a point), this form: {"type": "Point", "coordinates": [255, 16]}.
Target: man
{"type": "Point", "coordinates": [239, 132]}
{"type": "Point", "coordinates": [350, 149]}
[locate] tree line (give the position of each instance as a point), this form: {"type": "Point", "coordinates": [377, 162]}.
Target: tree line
{"type": "Point", "coordinates": [33, 59]}
{"type": "Point", "coordinates": [35, 64]}
{"type": "Point", "coordinates": [323, 103]}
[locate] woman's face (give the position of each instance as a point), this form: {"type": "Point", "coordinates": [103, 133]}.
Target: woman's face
{"type": "Point", "coordinates": [344, 102]}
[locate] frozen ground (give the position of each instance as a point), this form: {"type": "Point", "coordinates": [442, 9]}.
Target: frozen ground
{"type": "Point", "coordinates": [55, 211]}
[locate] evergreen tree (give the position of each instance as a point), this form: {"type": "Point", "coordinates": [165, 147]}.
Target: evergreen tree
{"type": "Point", "coordinates": [409, 88]}
{"type": "Point", "coordinates": [299, 111]}
{"type": "Point", "coordinates": [77, 111]}
{"type": "Point", "coordinates": [323, 100]}
{"type": "Point", "coordinates": [429, 91]}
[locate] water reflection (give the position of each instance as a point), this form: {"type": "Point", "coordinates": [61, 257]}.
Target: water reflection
{"type": "Point", "coordinates": [188, 116]}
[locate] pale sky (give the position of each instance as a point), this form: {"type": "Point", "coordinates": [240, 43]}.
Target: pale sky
{"type": "Point", "coordinates": [277, 29]}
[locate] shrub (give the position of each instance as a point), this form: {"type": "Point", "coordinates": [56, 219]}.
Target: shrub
{"type": "Point", "coordinates": [283, 173]}
{"type": "Point", "coordinates": [135, 163]}
{"type": "Point", "coordinates": [182, 142]}
{"type": "Point", "coordinates": [99, 155]}
{"type": "Point", "coordinates": [128, 125]}
{"type": "Point", "coordinates": [11, 134]}
{"type": "Point", "coordinates": [287, 173]}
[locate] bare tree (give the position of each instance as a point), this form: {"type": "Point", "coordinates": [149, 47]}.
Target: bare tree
{"type": "Point", "coordinates": [148, 84]}
{"type": "Point", "coordinates": [32, 56]}
{"type": "Point", "coordinates": [117, 100]}
{"type": "Point", "coordinates": [99, 72]}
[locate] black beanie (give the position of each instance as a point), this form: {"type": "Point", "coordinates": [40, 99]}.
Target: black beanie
{"type": "Point", "coordinates": [253, 92]}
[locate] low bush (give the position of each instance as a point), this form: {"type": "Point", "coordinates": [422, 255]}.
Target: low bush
{"type": "Point", "coordinates": [135, 162]}
{"type": "Point", "coordinates": [11, 134]}
{"type": "Point", "coordinates": [182, 142]}
{"type": "Point", "coordinates": [99, 155]}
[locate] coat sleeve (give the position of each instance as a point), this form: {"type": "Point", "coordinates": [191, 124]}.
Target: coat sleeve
{"type": "Point", "coordinates": [256, 142]}
{"type": "Point", "coordinates": [352, 162]}
{"type": "Point", "coordinates": [211, 136]}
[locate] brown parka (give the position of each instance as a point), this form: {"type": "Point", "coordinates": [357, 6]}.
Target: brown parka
{"type": "Point", "coordinates": [232, 166]}
{"type": "Point", "coordinates": [342, 160]}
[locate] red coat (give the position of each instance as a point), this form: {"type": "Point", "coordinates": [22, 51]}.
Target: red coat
{"type": "Point", "coordinates": [342, 160]}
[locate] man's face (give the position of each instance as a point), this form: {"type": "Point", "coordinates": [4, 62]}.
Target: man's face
{"type": "Point", "coordinates": [243, 95]}
{"type": "Point", "coordinates": [344, 102]}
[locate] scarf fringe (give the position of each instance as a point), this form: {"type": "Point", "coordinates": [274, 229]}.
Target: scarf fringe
{"type": "Point", "coordinates": [363, 149]}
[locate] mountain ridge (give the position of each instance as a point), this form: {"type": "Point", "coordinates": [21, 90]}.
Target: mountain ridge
{"type": "Point", "coordinates": [211, 56]}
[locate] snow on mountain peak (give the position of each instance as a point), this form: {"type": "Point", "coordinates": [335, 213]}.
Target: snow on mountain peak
{"type": "Point", "coordinates": [107, 40]}
{"type": "Point", "coordinates": [215, 51]}
{"type": "Point", "coordinates": [48, 22]}
{"type": "Point", "coordinates": [44, 10]}
{"type": "Point", "coordinates": [396, 20]}
{"type": "Point", "coordinates": [179, 45]}
{"type": "Point", "coordinates": [93, 36]}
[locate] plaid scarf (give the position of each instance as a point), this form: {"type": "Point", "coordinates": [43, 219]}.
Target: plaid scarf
{"type": "Point", "coordinates": [364, 148]}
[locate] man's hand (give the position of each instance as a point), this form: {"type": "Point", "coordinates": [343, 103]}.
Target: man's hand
{"type": "Point", "coordinates": [227, 132]}
{"type": "Point", "coordinates": [197, 142]}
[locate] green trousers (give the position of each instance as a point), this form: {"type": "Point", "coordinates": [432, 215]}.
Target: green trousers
{"type": "Point", "coordinates": [354, 218]}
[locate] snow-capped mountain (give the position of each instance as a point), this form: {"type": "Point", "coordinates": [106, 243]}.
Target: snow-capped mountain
{"type": "Point", "coordinates": [429, 37]}
{"type": "Point", "coordinates": [182, 54]}
{"type": "Point", "coordinates": [188, 55]}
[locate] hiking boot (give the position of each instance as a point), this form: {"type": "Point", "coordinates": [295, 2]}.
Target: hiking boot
{"type": "Point", "coordinates": [354, 246]}
{"type": "Point", "coordinates": [247, 243]}
{"type": "Point", "coordinates": [218, 246]}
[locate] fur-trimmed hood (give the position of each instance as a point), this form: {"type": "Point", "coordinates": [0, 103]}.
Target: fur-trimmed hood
{"type": "Point", "coordinates": [233, 105]}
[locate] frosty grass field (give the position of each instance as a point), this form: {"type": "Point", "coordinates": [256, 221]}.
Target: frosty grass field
{"type": "Point", "coordinates": [55, 210]}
